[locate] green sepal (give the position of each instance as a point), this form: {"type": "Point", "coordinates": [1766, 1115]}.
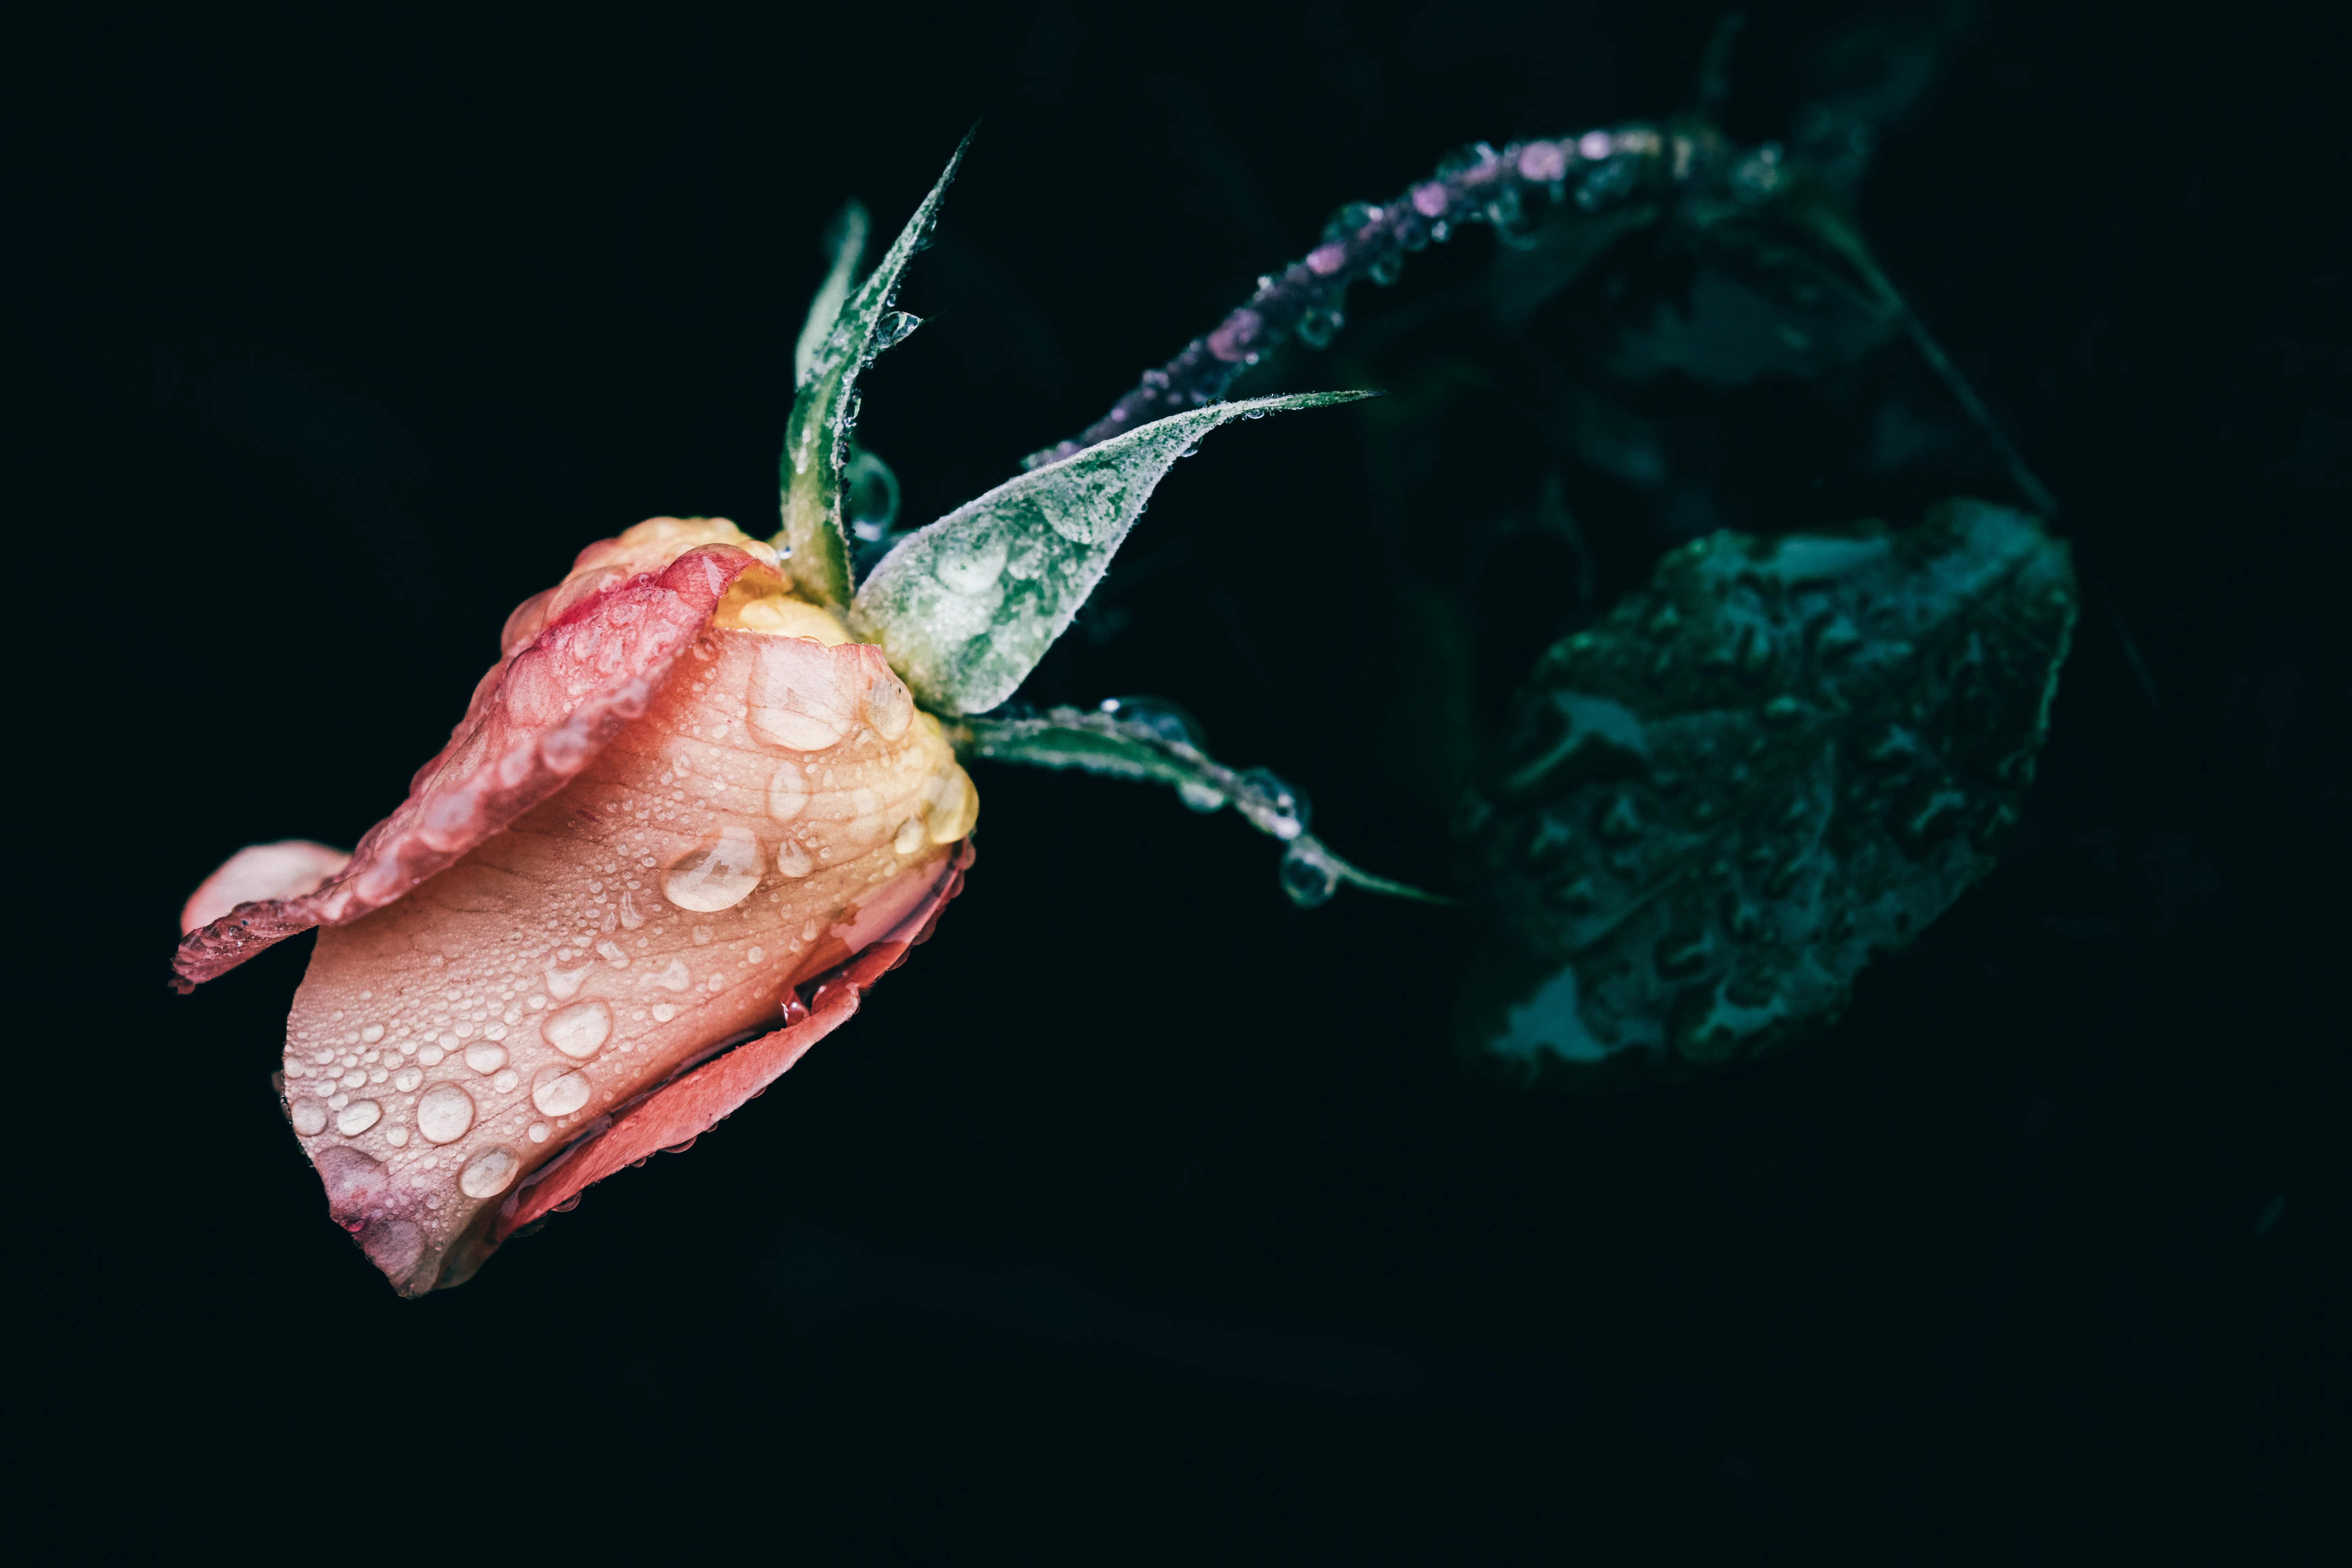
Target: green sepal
{"type": "Point", "coordinates": [847, 240]}
{"type": "Point", "coordinates": [815, 543]}
{"type": "Point", "coordinates": [966, 608]}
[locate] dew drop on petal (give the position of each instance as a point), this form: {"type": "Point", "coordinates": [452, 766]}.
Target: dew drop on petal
{"type": "Point", "coordinates": [309, 1117]}
{"type": "Point", "coordinates": [485, 1058]}
{"type": "Point", "coordinates": [791, 860]}
{"type": "Point", "coordinates": [559, 1091]}
{"type": "Point", "coordinates": [911, 837]}
{"type": "Point", "coordinates": [397, 1137]}
{"type": "Point", "coordinates": [954, 806]}
{"type": "Point", "coordinates": [445, 1113]}
{"type": "Point", "coordinates": [490, 1172]}
{"type": "Point", "coordinates": [564, 984]}
{"type": "Point", "coordinates": [538, 1132]}
{"type": "Point", "coordinates": [504, 1083]}
{"type": "Point", "coordinates": [406, 1078]}
{"type": "Point", "coordinates": [787, 794]}
{"type": "Point", "coordinates": [718, 874]}
{"type": "Point", "coordinates": [580, 1030]}
{"type": "Point", "coordinates": [357, 1117]}
{"type": "Point", "coordinates": [889, 706]}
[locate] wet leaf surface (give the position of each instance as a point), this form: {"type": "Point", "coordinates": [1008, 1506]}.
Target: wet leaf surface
{"type": "Point", "coordinates": [967, 606]}
{"type": "Point", "coordinates": [1710, 810]}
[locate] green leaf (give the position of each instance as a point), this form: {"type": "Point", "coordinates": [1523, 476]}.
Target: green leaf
{"type": "Point", "coordinates": [824, 409]}
{"type": "Point", "coordinates": [1156, 743]}
{"type": "Point", "coordinates": [1714, 807]}
{"type": "Point", "coordinates": [847, 240]}
{"type": "Point", "coordinates": [966, 608]}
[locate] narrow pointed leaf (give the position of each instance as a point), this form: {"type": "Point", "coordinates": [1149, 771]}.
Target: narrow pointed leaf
{"type": "Point", "coordinates": [966, 608]}
{"type": "Point", "coordinates": [1713, 808]}
{"type": "Point", "coordinates": [824, 410]}
{"type": "Point", "coordinates": [848, 240]}
{"type": "Point", "coordinates": [1152, 742]}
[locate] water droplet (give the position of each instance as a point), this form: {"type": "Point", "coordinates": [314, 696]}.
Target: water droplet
{"type": "Point", "coordinates": [794, 701]}
{"type": "Point", "coordinates": [487, 1058]}
{"type": "Point", "coordinates": [563, 984]}
{"type": "Point", "coordinates": [664, 1012]}
{"type": "Point", "coordinates": [1307, 875]}
{"type": "Point", "coordinates": [718, 876]}
{"type": "Point", "coordinates": [357, 1117]}
{"type": "Point", "coordinates": [1317, 324]}
{"type": "Point", "coordinates": [1160, 717]}
{"type": "Point", "coordinates": [674, 978]}
{"type": "Point", "coordinates": [372, 1032]}
{"type": "Point", "coordinates": [443, 1113]}
{"type": "Point", "coordinates": [889, 706]}
{"type": "Point", "coordinates": [490, 1172]}
{"type": "Point", "coordinates": [430, 1056]}
{"type": "Point", "coordinates": [1683, 951]}
{"type": "Point", "coordinates": [1273, 806]}
{"type": "Point", "coordinates": [630, 916]}
{"type": "Point", "coordinates": [952, 806]}
{"type": "Point", "coordinates": [911, 837]}
{"type": "Point", "coordinates": [791, 860]}
{"type": "Point", "coordinates": [1928, 811]}
{"type": "Point", "coordinates": [309, 1117]}
{"type": "Point", "coordinates": [581, 1030]}
{"type": "Point", "coordinates": [613, 954]}
{"type": "Point", "coordinates": [504, 1083]}
{"type": "Point", "coordinates": [1199, 796]}
{"type": "Point", "coordinates": [397, 1137]}
{"type": "Point", "coordinates": [559, 1090]}
{"type": "Point", "coordinates": [537, 1133]}
{"type": "Point", "coordinates": [969, 569]}
{"type": "Point", "coordinates": [788, 794]}
{"type": "Point", "coordinates": [1386, 268]}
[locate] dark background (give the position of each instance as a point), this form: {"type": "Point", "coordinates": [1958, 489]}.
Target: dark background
{"type": "Point", "coordinates": [1143, 1209]}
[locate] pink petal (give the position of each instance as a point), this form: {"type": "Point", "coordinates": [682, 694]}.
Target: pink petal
{"type": "Point", "coordinates": [537, 719]}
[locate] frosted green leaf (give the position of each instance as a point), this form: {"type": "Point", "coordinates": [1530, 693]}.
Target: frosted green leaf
{"type": "Point", "coordinates": [824, 408]}
{"type": "Point", "coordinates": [966, 608]}
{"type": "Point", "coordinates": [1713, 808]}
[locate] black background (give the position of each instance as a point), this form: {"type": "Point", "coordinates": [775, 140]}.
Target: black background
{"type": "Point", "coordinates": [1142, 1209]}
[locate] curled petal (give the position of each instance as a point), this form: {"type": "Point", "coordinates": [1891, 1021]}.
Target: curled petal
{"type": "Point", "coordinates": [260, 873]}
{"type": "Point", "coordinates": [692, 1103]}
{"type": "Point", "coordinates": [590, 666]}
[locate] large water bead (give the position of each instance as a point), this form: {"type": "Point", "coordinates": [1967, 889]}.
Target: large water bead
{"type": "Point", "coordinates": [717, 874]}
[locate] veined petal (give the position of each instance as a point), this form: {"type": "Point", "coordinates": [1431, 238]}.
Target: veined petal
{"type": "Point", "coordinates": [779, 816]}
{"type": "Point", "coordinates": [581, 660]}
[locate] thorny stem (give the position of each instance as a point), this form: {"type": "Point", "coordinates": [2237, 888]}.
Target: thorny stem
{"type": "Point", "coordinates": [1597, 170]}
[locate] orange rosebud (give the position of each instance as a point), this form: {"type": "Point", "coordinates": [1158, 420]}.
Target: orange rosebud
{"type": "Point", "coordinates": [683, 798]}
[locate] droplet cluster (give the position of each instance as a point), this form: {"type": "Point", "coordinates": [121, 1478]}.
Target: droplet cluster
{"type": "Point", "coordinates": [715, 853]}
{"type": "Point", "coordinates": [1512, 190]}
